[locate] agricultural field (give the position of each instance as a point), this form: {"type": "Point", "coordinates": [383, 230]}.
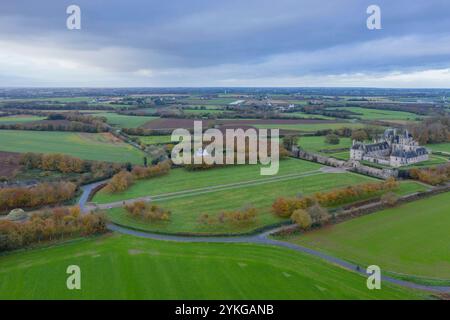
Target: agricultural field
{"type": "Point", "coordinates": [410, 239]}
{"type": "Point", "coordinates": [299, 114]}
{"type": "Point", "coordinates": [306, 127]}
{"type": "Point", "coordinates": [19, 119]}
{"type": "Point", "coordinates": [125, 267]}
{"type": "Point", "coordinates": [90, 146]}
{"type": "Point", "coordinates": [125, 121]}
{"type": "Point", "coordinates": [154, 139]}
{"type": "Point", "coordinates": [378, 114]}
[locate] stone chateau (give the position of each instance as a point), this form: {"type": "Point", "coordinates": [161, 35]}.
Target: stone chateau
{"type": "Point", "coordinates": [392, 149]}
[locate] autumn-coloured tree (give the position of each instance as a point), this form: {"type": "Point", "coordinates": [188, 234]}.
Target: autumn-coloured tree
{"type": "Point", "coordinates": [318, 214]}
{"type": "Point", "coordinates": [302, 218]}
{"type": "Point", "coordinates": [147, 212]}
{"type": "Point", "coordinates": [49, 225]}
{"type": "Point", "coordinates": [120, 182]}
{"type": "Point", "coordinates": [35, 196]}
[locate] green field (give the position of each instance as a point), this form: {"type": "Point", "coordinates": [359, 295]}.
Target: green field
{"type": "Point", "coordinates": [186, 210]}
{"type": "Point", "coordinates": [316, 144]}
{"type": "Point", "coordinates": [154, 139]}
{"type": "Point", "coordinates": [439, 147]}
{"type": "Point", "coordinates": [378, 114]}
{"type": "Point", "coordinates": [303, 115]}
{"type": "Point", "coordinates": [433, 160]}
{"type": "Point", "coordinates": [125, 121]}
{"type": "Point", "coordinates": [90, 146]}
{"type": "Point", "coordinates": [181, 179]}
{"type": "Point", "coordinates": [19, 119]}
{"type": "Point", "coordinates": [412, 239]}
{"type": "Point", "coordinates": [310, 127]}
{"type": "Point", "coordinates": [125, 267]}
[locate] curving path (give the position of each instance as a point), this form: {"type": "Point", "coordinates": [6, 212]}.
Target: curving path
{"type": "Point", "coordinates": [262, 239]}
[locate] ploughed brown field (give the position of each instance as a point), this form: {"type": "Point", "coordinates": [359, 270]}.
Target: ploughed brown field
{"type": "Point", "coordinates": [9, 162]}
{"type": "Point", "coordinates": [173, 123]}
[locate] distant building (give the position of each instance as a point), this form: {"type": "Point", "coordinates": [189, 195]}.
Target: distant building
{"type": "Point", "coordinates": [392, 149]}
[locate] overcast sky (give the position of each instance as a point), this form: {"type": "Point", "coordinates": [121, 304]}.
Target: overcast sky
{"type": "Point", "coordinates": [225, 43]}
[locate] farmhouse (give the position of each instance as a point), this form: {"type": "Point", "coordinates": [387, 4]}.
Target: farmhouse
{"type": "Point", "coordinates": [392, 149]}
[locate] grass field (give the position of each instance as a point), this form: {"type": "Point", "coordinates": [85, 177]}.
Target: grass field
{"type": "Point", "coordinates": [433, 160]}
{"type": "Point", "coordinates": [411, 239]}
{"type": "Point", "coordinates": [186, 210]}
{"type": "Point", "coordinates": [154, 139]}
{"type": "Point", "coordinates": [125, 267]}
{"type": "Point", "coordinates": [306, 115]}
{"type": "Point", "coordinates": [310, 127]}
{"type": "Point", "coordinates": [19, 119]}
{"type": "Point", "coordinates": [181, 179]}
{"type": "Point", "coordinates": [125, 121]}
{"type": "Point", "coordinates": [90, 146]}
{"type": "Point", "coordinates": [378, 114]}
{"type": "Point", "coordinates": [316, 144]}
{"type": "Point", "coordinates": [439, 147]}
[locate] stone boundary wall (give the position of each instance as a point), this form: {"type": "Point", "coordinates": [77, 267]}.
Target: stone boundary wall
{"type": "Point", "coordinates": [353, 166]}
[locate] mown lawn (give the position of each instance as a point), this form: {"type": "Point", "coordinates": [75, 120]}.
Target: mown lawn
{"type": "Point", "coordinates": [439, 147]}
{"type": "Point", "coordinates": [125, 267]}
{"type": "Point", "coordinates": [186, 209]}
{"type": "Point", "coordinates": [181, 179]}
{"type": "Point", "coordinates": [90, 146]}
{"type": "Point", "coordinates": [410, 239]}
{"type": "Point", "coordinates": [316, 144]}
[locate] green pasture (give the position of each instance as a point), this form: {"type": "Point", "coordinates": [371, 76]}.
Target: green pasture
{"type": "Point", "coordinates": [90, 146]}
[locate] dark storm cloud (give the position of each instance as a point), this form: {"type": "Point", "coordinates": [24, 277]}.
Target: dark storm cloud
{"type": "Point", "coordinates": [237, 39]}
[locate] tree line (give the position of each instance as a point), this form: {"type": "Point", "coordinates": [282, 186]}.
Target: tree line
{"type": "Point", "coordinates": [284, 207]}
{"type": "Point", "coordinates": [91, 170]}
{"type": "Point", "coordinates": [50, 225]}
{"type": "Point", "coordinates": [125, 179]}
{"type": "Point", "coordinates": [63, 122]}
{"type": "Point", "coordinates": [36, 196]}
{"type": "Point", "coordinates": [432, 130]}
{"type": "Point", "coordinates": [434, 175]}
{"type": "Point", "coordinates": [239, 217]}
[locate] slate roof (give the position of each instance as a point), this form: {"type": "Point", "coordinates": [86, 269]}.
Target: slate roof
{"type": "Point", "coordinates": [409, 154]}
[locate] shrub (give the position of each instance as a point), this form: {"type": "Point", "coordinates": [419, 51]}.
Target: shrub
{"type": "Point", "coordinates": [147, 212]}
{"type": "Point", "coordinates": [301, 218]}
{"type": "Point", "coordinates": [390, 199]}
{"type": "Point", "coordinates": [332, 139]}
{"type": "Point", "coordinates": [120, 182]}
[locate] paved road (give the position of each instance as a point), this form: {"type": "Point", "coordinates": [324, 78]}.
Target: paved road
{"type": "Point", "coordinates": [262, 239]}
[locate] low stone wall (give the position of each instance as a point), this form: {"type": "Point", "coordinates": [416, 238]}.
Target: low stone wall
{"type": "Point", "coordinates": [354, 166]}
{"type": "Point", "coordinates": [374, 172]}
{"type": "Point", "coordinates": [318, 158]}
